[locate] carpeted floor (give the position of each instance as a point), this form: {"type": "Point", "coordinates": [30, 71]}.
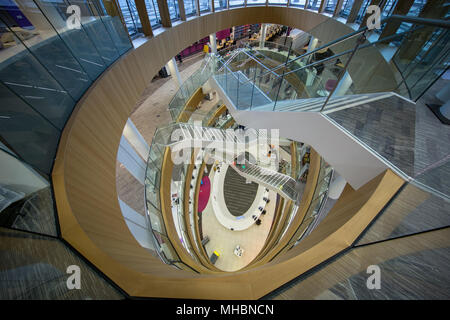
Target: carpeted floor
{"type": "Point", "coordinates": [239, 195]}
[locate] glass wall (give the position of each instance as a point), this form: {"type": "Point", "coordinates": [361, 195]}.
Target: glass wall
{"type": "Point", "coordinates": [153, 13]}
{"type": "Point", "coordinates": [314, 4]}
{"type": "Point", "coordinates": [362, 11]}
{"type": "Point", "coordinates": [346, 8]}
{"type": "Point", "coordinates": [190, 8]}
{"type": "Point", "coordinates": [278, 2]}
{"type": "Point", "coordinates": [220, 5]}
{"type": "Point", "coordinates": [255, 2]}
{"type": "Point", "coordinates": [236, 3]}
{"type": "Point", "coordinates": [174, 11]}
{"type": "Point", "coordinates": [297, 3]}
{"type": "Point", "coordinates": [130, 16]}
{"type": "Point", "coordinates": [417, 7]}
{"type": "Point", "coordinates": [388, 8]}
{"type": "Point", "coordinates": [47, 63]}
{"type": "Point", "coordinates": [205, 5]}
{"type": "Point", "coordinates": [330, 6]}
{"type": "Point", "coordinates": [163, 245]}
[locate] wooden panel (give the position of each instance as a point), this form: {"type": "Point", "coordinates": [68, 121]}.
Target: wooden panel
{"type": "Point", "coordinates": [197, 230]}
{"type": "Point", "coordinates": [143, 17]}
{"type": "Point", "coordinates": [307, 197]}
{"type": "Point", "coordinates": [191, 105]}
{"type": "Point", "coordinates": [338, 8]}
{"type": "Point", "coordinates": [322, 6]}
{"type": "Point", "coordinates": [221, 110]}
{"type": "Point", "coordinates": [165, 195]}
{"type": "Point", "coordinates": [195, 237]}
{"type": "Point", "coordinates": [294, 160]}
{"type": "Point", "coordinates": [182, 10]}
{"type": "Point", "coordinates": [85, 185]}
{"type": "Point", "coordinates": [164, 13]}
{"type": "Point", "coordinates": [229, 124]}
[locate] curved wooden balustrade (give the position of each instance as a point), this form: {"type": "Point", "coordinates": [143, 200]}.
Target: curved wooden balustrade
{"type": "Point", "coordinates": [85, 186]}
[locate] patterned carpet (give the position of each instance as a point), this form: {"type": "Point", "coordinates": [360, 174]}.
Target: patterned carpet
{"type": "Point", "coordinates": [239, 195]}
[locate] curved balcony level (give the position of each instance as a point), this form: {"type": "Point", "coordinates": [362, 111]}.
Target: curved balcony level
{"type": "Point", "coordinates": [85, 189]}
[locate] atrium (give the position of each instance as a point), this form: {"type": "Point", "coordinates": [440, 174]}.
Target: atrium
{"type": "Point", "coordinates": [224, 149]}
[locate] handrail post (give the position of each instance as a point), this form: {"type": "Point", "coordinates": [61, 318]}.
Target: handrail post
{"type": "Point", "coordinates": [359, 42]}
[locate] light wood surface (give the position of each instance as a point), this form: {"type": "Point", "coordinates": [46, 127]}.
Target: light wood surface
{"type": "Point", "coordinates": [85, 188]}
{"type": "Point", "coordinates": [221, 110]}
{"type": "Point", "coordinates": [307, 197]}
{"type": "Point", "coordinates": [143, 17]}
{"type": "Point", "coordinates": [191, 105]}
{"type": "Point", "coordinates": [165, 196]}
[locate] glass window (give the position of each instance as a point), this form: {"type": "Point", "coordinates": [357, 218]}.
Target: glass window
{"type": "Point", "coordinates": [22, 73]}
{"type": "Point", "coordinates": [205, 5]}
{"type": "Point", "coordinates": [280, 2]}
{"type": "Point", "coordinates": [416, 7]}
{"type": "Point", "coordinates": [314, 4]}
{"type": "Point", "coordinates": [298, 3]}
{"type": "Point", "coordinates": [96, 31]}
{"type": "Point", "coordinates": [330, 6]}
{"type": "Point", "coordinates": [112, 22]}
{"type": "Point", "coordinates": [153, 13]}
{"type": "Point", "coordinates": [26, 132]}
{"type": "Point", "coordinates": [174, 11]}
{"type": "Point", "coordinates": [189, 7]}
{"type": "Point", "coordinates": [52, 53]}
{"type": "Point", "coordinates": [130, 16]}
{"type": "Point", "coordinates": [388, 8]}
{"type": "Point", "coordinates": [362, 11]}
{"type": "Point", "coordinates": [346, 8]}
{"type": "Point", "coordinates": [236, 3]}
{"type": "Point", "coordinates": [220, 5]}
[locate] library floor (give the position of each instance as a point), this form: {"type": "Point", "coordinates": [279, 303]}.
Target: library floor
{"type": "Point", "coordinates": [224, 241]}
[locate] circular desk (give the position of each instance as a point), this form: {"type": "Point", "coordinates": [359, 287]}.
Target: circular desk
{"type": "Point", "coordinates": [221, 211]}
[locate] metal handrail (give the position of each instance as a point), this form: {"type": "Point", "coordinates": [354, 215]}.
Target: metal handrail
{"type": "Point", "coordinates": [360, 46]}
{"type": "Point", "coordinates": [441, 23]}
{"type": "Point", "coordinates": [416, 20]}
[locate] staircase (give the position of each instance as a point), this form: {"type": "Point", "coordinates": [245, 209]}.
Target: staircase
{"type": "Point", "coordinates": [188, 136]}
{"type": "Point", "coordinates": [276, 181]}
